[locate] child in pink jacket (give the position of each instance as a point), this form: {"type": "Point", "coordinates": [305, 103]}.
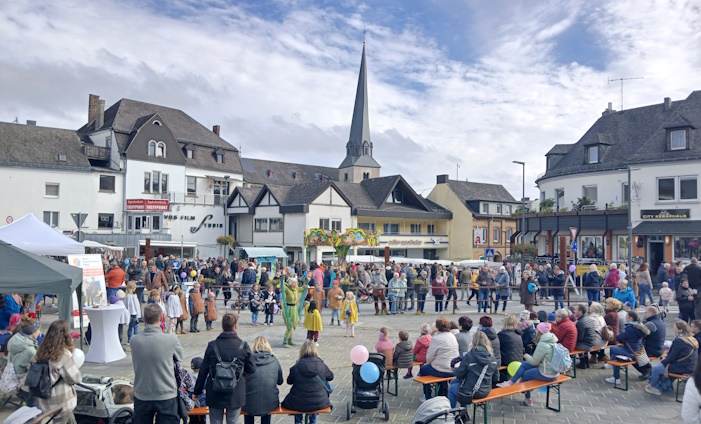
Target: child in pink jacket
{"type": "Point", "coordinates": [384, 343]}
{"type": "Point", "coordinates": [421, 346]}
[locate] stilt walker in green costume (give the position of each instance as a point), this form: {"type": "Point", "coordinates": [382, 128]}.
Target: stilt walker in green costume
{"type": "Point", "coordinates": [291, 307]}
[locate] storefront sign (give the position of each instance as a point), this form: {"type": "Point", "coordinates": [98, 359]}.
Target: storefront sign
{"type": "Point", "coordinates": [205, 224]}
{"type": "Point", "coordinates": [396, 242]}
{"type": "Point", "coordinates": [664, 213]}
{"type": "Point", "coordinates": [147, 205]}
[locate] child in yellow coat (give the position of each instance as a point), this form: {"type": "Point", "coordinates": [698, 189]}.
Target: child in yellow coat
{"type": "Point", "coordinates": [312, 321]}
{"type": "Point", "coordinates": [349, 313]}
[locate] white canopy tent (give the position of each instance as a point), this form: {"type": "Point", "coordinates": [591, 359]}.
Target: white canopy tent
{"type": "Point", "coordinates": [95, 245]}
{"type": "Point", "coordinates": [33, 235]}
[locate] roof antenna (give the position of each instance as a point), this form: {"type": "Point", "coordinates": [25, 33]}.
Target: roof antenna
{"type": "Point", "coordinates": [621, 80]}
{"type": "Point", "coordinates": [365, 30]}
{"type": "Point", "coordinates": [16, 121]}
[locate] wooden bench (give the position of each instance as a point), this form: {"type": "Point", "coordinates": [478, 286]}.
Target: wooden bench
{"type": "Point", "coordinates": [575, 353]}
{"type": "Point", "coordinates": [417, 364]}
{"type": "Point", "coordinates": [502, 392]}
{"type": "Point", "coordinates": [681, 378]}
{"type": "Point", "coordinates": [433, 381]}
{"type": "Point", "coordinates": [392, 374]}
{"type": "Point", "coordinates": [204, 410]}
{"type": "Point", "coordinates": [624, 365]}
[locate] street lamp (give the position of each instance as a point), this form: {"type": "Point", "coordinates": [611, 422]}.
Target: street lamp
{"type": "Point", "coordinates": [523, 212]}
{"type": "Point", "coordinates": [630, 220]}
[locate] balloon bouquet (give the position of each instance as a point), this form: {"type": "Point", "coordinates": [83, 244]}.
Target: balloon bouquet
{"type": "Point", "coordinates": [368, 371]}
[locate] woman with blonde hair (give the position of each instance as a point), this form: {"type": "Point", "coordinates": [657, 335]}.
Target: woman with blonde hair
{"type": "Point", "coordinates": [680, 359]}
{"type": "Point", "coordinates": [261, 386]}
{"type": "Point", "coordinates": [510, 341]}
{"type": "Point", "coordinates": [57, 350]}
{"type": "Point", "coordinates": [592, 282]}
{"type": "Point", "coordinates": [476, 373]}
{"type": "Point", "coordinates": [307, 393]}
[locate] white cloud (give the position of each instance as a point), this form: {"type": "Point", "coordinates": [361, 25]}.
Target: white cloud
{"type": "Point", "coordinates": [283, 88]}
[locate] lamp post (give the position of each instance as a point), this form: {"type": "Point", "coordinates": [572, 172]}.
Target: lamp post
{"type": "Point", "coordinates": [630, 226]}
{"type": "Point", "coordinates": [523, 212]}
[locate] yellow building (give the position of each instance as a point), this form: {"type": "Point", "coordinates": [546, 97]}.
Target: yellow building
{"type": "Point", "coordinates": [481, 217]}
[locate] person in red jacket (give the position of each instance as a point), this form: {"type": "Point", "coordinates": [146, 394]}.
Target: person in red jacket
{"type": "Point", "coordinates": [421, 346]}
{"type": "Point", "coordinates": [566, 329]}
{"type": "Point", "coordinates": [114, 279]}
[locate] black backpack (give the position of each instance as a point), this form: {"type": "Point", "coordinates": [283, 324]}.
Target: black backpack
{"type": "Point", "coordinates": [38, 379]}
{"type": "Point", "coordinates": [227, 375]}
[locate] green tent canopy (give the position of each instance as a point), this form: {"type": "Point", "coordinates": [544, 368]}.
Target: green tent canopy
{"type": "Point", "coordinates": [26, 273]}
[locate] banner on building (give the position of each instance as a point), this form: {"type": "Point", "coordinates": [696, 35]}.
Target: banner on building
{"type": "Point", "coordinates": [94, 291]}
{"type": "Point", "coordinates": [480, 235]}
{"type": "Point", "coordinates": [147, 205]}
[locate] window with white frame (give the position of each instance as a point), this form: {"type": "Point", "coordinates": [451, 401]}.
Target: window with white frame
{"type": "Point", "coordinates": [51, 218]}
{"type": "Point", "coordinates": [495, 233]}
{"type": "Point", "coordinates": [107, 183]}
{"type": "Point", "coordinates": [325, 224]}
{"type": "Point", "coordinates": [336, 224]}
{"type": "Point", "coordinates": [688, 189]}
{"type": "Point", "coordinates": [262, 225]}
{"type": "Point", "coordinates": [191, 185]}
{"type": "Point", "coordinates": [677, 140]}
{"type": "Point", "coordinates": [499, 208]}
{"type": "Point", "coordinates": [152, 148]}
{"type": "Point", "coordinates": [156, 182]}
{"type": "Point", "coordinates": [590, 192]}
{"type": "Point", "coordinates": [51, 189]}
{"type": "Point", "coordinates": [485, 207]}
{"type": "Point", "coordinates": [220, 158]}
{"type": "Point", "coordinates": [431, 229]}
{"type": "Point", "coordinates": [276, 224]}
{"type": "Point", "coordinates": [415, 229]}
{"type": "Point", "coordinates": [509, 233]}
{"type": "Point", "coordinates": [390, 228]}
{"type": "Point", "coordinates": [665, 189]}
{"type": "Point", "coordinates": [593, 154]}
{"type": "Point", "coordinates": [161, 149]}
{"type": "Point", "coordinates": [625, 193]}
{"type": "Point", "coordinates": [508, 209]}
{"type": "Point", "coordinates": [105, 220]}
{"type": "Point", "coordinates": [367, 226]}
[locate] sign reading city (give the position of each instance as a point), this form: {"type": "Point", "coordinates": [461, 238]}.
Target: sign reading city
{"type": "Point", "coordinates": [147, 205]}
{"type": "Point", "coordinates": [489, 252]}
{"type": "Point", "coordinates": [664, 214]}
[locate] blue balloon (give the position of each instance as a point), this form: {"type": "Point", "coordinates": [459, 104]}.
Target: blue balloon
{"type": "Point", "coordinates": [369, 372]}
{"type": "Point", "coordinates": [532, 287]}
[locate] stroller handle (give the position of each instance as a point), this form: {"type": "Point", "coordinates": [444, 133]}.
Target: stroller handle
{"type": "Point", "coordinates": [88, 388]}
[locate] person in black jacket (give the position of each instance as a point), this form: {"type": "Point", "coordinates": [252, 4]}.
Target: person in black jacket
{"type": "Point", "coordinates": [307, 393]}
{"type": "Point", "coordinates": [486, 328]}
{"type": "Point", "coordinates": [510, 341]}
{"type": "Point", "coordinates": [476, 373]}
{"type": "Point", "coordinates": [592, 282]}
{"type": "Point", "coordinates": [681, 359]}
{"type": "Point", "coordinates": [230, 346]}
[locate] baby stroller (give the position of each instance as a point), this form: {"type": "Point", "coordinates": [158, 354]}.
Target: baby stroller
{"type": "Point", "coordinates": [368, 395]}
{"type": "Point", "coordinates": [439, 408]}
{"type": "Point", "coordinates": [104, 400]}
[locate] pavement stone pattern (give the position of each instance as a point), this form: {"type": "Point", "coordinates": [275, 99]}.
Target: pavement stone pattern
{"type": "Point", "coordinates": [586, 399]}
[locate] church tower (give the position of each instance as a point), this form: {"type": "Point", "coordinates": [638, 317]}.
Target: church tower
{"type": "Point", "coordinates": [359, 163]}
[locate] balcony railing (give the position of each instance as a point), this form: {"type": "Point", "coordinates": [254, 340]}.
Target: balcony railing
{"type": "Point", "coordinates": [195, 198]}
{"type": "Point", "coordinates": [96, 152]}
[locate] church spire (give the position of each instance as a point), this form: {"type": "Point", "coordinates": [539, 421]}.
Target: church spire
{"type": "Point", "coordinates": [359, 146]}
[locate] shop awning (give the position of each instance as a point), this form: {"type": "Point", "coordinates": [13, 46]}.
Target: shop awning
{"type": "Point", "coordinates": [162, 243]}
{"type": "Point", "coordinates": [668, 228]}
{"type": "Point", "coordinates": [265, 252]}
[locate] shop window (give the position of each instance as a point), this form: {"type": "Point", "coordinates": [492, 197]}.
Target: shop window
{"type": "Point", "coordinates": [622, 248]}
{"type": "Point", "coordinates": [105, 220]}
{"type": "Point", "coordinates": [686, 248]}
{"type": "Point", "coordinates": [591, 247]}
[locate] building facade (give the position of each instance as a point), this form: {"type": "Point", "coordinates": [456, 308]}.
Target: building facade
{"type": "Point", "coordinates": [589, 185]}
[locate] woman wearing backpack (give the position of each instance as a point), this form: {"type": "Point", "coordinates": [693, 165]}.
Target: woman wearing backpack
{"type": "Point", "coordinates": [57, 350]}
{"type": "Point", "coordinates": [222, 351]}
{"type": "Point", "coordinates": [539, 366]}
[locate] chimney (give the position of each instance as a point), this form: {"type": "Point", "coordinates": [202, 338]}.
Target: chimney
{"type": "Point", "coordinates": [92, 107]}
{"type": "Point", "coordinates": [31, 123]}
{"type": "Point", "coordinates": [608, 110]}
{"type": "Point", "coordinates": [215, 129]}
{"type": "Point", "coordinates": [442, 179]}
{"type": "Point", "coordinates": [667, 103]}
{"type": "Point", "coordinates": [100, 118]}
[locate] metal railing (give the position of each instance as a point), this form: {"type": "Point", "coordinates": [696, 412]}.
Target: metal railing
{"type": "Point", "coordinates": [96, 152]}
{"type": "Point", "coordinates": [195, 198]}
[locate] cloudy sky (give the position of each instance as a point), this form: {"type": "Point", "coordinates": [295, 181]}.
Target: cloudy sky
{"type": "Point", "coordinates": [474, 83]}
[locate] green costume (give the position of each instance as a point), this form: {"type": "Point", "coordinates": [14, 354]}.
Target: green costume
{"type": "Point", "coordinates": [291, 309]}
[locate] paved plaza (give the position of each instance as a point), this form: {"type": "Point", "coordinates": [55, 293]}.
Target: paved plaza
{"type": "Point", "coordinates": [586, 399]}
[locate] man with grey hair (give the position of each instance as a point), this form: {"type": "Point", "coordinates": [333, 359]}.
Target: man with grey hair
{"type": "Point", "coordinates": [663, 274]}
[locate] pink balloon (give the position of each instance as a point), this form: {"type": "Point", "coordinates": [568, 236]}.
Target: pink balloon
{"type": "Point", "coordinates": [573, 268]}
{"type": "Point", "coordinates": [359, 355]}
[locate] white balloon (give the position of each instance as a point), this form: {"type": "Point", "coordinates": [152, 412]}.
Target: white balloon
{"type": "Point", "coordinates": [78, 357]}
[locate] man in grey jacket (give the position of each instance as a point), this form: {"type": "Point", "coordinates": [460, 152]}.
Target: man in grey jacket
{"type": "Point", "coordinates": [153, 354]}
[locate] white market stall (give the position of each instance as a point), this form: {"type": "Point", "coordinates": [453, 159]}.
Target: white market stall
{"type": "Point", "coordinates": [33, 235]}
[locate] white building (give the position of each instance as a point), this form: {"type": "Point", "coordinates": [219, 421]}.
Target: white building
{"type": "Point", "coordinates": [661, 145]}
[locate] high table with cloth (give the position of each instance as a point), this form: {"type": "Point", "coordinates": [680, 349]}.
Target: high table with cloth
{"type": "Point", "coordinates": [104, 344]}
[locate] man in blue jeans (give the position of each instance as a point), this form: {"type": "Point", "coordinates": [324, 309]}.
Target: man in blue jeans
{"type": "Point", "coordinates": [485, 280]}
{"type": "Point", "coordinates": [632, 339]}
{"type": "Point", "coordinates": [558, 289]}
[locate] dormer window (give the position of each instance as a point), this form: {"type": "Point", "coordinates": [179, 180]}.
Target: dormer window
{"type": "Point", "coordinates": [157, 123]}
{"type": "Point", "coordinates": [396, 196]}
{"type": "Point", "coordinates": [152, 148]}
{"type": "Point", "coordinates": [270, 173]}
{"type": "Point", "coordinates": [161, 149]}
{"type": "Point", "coordinates": [323, 178]}
{"type": "Point", "coordinates": [356, 151]}
{"type": "Point", "coordinates": [678, 140]}
{"type": "Point", "coordinates": [295, 176]}
{"type": "Point", "coordinates": [593, 154]}
{"type": "Point", "coordinates": [189, 153]}
{"type": "Point", "coordinates": [220, 158]}
{"type": "Point", "coordinates": [551, 162]}
{"type": "Point", "coordinates": [61, 157]}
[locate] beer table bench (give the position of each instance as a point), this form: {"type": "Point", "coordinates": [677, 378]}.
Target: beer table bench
{"type": "Point", "coordinates": [681, 378]}
{"type": "Point", "coordinates": [624, 365]}
{"type": "Point", "coordinates": [204, 410]}
{"type": "Point", "coordinates": [433, 381]}
{"type": "Point", "coordinates": [502, 392]}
